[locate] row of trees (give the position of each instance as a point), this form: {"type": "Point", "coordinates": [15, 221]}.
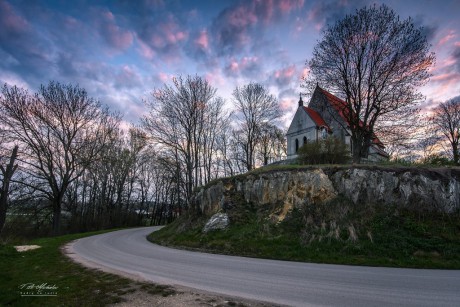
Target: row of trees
{"type": "Point", "coordinates": [68, 155]}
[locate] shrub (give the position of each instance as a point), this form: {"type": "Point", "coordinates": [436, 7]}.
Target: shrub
{"type": "Point", "coordinates": [437, 159]}
{"type": "Point", "coordinates": [330, 150]}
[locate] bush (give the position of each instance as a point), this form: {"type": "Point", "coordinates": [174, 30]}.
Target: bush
{"type": "Point", "coordinates": [438, 160]}
{"type": "Point", "coordinates": [328, 151]}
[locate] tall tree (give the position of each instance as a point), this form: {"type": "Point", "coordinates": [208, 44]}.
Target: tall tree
{"type": "Point", "coordinates": [60, 130]}
{"type": "Point", "coordinates": [446, 117]}
{"type": "Point", "coordinates": [255, 107]}
{"type": "Point", "coordinates": [375, 61]}
{"type": "Point", "coordinates": [182, 118]}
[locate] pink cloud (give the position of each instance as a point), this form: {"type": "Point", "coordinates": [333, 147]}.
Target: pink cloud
{"type": "Point", "coordinates": [288, 5]}
{"type": "Point", "coordinates": [287, 72]}
{"type": "Point", "coordinates": [127, 77]}
{"type": "Point", "coordinates": [114, 35]}
{"type": "Point", "coordinates": [447, 37]}
{"type": "Point", "coordinates": [145, 50]}
{"type": "Point", "coordinates": [305, 73]}
{"type": "Point", "coordinates": [202, 40]}
{"type": "Point", "coordinates": [235, 27]}
{"type": "Point", "coordinates": [10, 20]}
{"type": "Point", "coordinates": [286, 104]}
{"type": "Point", "coordinates": [171, 32]}
{"type": "Point", "coordinates": [241, 17]}
{"type": "Point", "coordinates": [444, 77]}
{"type": "Point", "coordinates": [215, 78]}
{"type": "Point", "coordinates": [164, 40]}
{"type": "Point", "coordinates": [246, 65]}
{"type": "Point", "coordinates": [165, 77]}
{"type": "Point", "coordinates": [233, 66]}
{"type": "Point", "coordinates": [284, 76]}
{"type": "Point", "coordinates": [443, 87]}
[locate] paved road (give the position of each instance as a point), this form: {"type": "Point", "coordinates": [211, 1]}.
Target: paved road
{"type": "Point", "coordinates": [280, 282]}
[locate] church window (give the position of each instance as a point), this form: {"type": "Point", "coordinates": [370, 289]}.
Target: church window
{"type": "Point", "coordinates": [304, 140]}
{"type": "Point", "coordinates": [296, 145]}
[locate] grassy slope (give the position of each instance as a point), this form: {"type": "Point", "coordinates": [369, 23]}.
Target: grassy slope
{"type": "Point", "coordinates": [77, 286]}
{"type": "Point", "coordinates": [337, 232]}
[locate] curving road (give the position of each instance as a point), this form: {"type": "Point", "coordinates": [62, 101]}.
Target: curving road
{"type": "Point", "coordinates": [280, 282]}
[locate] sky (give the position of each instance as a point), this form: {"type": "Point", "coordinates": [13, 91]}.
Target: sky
{"type": "Point", "coordinates": [121, 51]}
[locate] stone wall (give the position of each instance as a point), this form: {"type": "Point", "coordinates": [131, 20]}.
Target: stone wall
{"type": "Point", "coordinates": [415, 188]}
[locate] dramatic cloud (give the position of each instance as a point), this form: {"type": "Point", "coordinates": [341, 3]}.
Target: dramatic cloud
{"type": "Point", "coordinates": [242, 25]}
{"type": "Point", "coordinates": [327, 12]}
{"type": "Point", "coordinates": [114, 36]}
{"type": "Point", "coordinates": [165, 38]}
{"type": "Point", "coordinates": [246, 67]}
{"type": "Point", "coordinates": [284, 76]}
{"type": "Point", "coordinates": [198, 46]}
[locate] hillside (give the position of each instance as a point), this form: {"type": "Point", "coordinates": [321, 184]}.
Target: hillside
{"type": "Point", "coordinates": [367, 215]}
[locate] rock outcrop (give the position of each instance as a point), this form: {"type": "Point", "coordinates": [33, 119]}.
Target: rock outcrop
{"type": "Point", "coordinates": [415, 188]}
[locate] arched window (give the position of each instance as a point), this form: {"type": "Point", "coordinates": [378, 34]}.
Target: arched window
{"type": "Point", "coordinates": [304, 140]}
{"type": "Point", "coordinates": [296, 145]}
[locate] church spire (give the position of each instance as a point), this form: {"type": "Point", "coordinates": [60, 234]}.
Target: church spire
{"type": "Point", "coordinates": [300, 100]}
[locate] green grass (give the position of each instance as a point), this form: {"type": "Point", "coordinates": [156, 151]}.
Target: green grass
{"type": "Point", "coordinates": [76, 285]}
{"type": "Point", "coordinates": [385, 238]}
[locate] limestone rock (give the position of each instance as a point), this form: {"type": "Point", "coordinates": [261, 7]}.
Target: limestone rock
{"type": "Point", "coordinates": [281, 191]}
{"type": "Point", "coordinates": [218, 221]}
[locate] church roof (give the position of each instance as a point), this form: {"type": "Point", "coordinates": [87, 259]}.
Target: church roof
{"type": "Point", "coordinates": [319, 121]}
{"type": "Point", "coordinates": [341, 107]}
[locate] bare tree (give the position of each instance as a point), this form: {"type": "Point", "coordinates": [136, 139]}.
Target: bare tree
{"type": "Point", "coordinates": [182, 119]}
{"type": "Point", "coordinates": [446, 117]}
{"type": "Point", "coordinates": [7, 174]}
{"type": "Point", "coordinates": [272, 144]}
{"type": "Point", "coordinates": [402, 131]}
{"type": "Point", "coordinates": [255, 107]}
{"type": "Point", "coordinates": [376, 62]}
{"type": "Point", "coordinates": [60, 130]}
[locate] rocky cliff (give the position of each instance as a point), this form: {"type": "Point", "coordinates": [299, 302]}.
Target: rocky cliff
{"type": "Point", "coordinates": [424, 189]}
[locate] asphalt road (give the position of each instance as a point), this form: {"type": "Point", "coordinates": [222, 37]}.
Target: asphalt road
{"type": "Point", "coordinates": [279, 282]}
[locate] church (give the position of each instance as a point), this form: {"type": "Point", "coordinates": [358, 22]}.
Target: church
{"type": "Point", "coordinates": [324, 117]}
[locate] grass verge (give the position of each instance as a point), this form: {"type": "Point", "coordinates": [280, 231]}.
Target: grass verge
{"type": "Point", "coordinates": [75, 284]}
{"type": "Point", "coordinates": [385, 237]}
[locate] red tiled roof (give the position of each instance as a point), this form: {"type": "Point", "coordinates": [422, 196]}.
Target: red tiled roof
{"type": "Point", "coordinates": [341, 106]}
{"type": "Point", "coordinates": [319, 121]}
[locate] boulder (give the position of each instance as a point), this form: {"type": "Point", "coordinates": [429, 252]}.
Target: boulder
{"type": "Point", "coordinates": [218, 221]}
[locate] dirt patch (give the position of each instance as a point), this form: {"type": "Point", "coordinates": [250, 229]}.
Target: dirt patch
{"type": "Point", "coordinates": [25, 248]}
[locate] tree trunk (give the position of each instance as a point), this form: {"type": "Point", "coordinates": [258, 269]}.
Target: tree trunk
{"type": "Point", "coordinates": [57, 206]}
{"type": "Point", "coordinates": [455, 153]}
{"type": "Point", "coordinates": [7, 174]}
{"type": "Point", "coordinates": [56, 218]}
